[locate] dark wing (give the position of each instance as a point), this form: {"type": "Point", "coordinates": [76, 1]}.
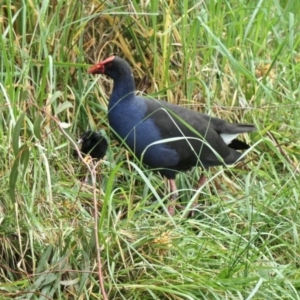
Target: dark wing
{"type": "Point", "coordinates": [197, 133]}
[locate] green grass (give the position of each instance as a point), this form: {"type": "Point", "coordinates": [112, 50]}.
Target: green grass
{"type": "Point", "coordinates": [239, 60]}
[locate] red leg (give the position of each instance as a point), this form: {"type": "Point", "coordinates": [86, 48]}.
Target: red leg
{"type": "Point", "coordinates": [202, 181]}
{"type": "Point", "coordinates": [173, 188]}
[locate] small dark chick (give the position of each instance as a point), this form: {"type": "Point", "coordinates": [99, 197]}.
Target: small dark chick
{"type": "Point", "coordinates": [94, 144]}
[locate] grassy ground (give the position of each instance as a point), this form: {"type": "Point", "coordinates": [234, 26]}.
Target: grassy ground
{"type": "Point", "coordinates": [239, 60]}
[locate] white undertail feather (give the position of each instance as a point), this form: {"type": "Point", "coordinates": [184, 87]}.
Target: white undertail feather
{"type": "Point", "coordinates": [227, 137]}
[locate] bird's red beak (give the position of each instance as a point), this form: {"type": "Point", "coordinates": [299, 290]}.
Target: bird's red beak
{"type": "Point", "coordinates": [99, 68]}
{"type": "Point", "coordinates": [96, 69]}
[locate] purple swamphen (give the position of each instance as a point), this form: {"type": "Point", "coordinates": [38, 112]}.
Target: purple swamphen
{"type": "Point", "coordinates": [166, 137]}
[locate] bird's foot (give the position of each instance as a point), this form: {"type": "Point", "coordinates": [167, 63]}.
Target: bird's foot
{"type": "Point", "coordinates": [172, 207]}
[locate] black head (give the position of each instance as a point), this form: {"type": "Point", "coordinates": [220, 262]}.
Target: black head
{"type": "Point", "coordinates": [94, 144]}
{"type": "Point", "coordinates": [114, 67]}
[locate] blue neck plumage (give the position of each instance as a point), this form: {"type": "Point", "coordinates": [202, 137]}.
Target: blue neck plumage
{"type": "Point", "coordinates": [123, 90]}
